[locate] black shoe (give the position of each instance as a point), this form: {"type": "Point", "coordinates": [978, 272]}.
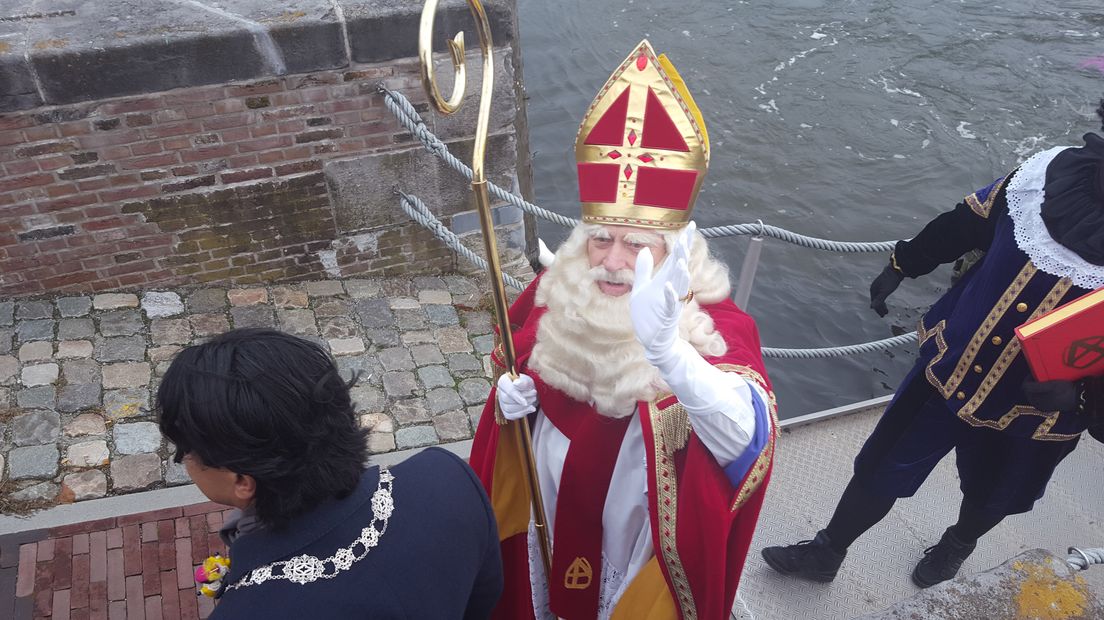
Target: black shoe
{"type": "Point", "coordinates": [942, 561]}
{"type": "Point", "coordinates": [814, 560]}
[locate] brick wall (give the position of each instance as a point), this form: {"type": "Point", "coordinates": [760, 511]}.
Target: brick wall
{"type": "Point", "coordinates": [211, 183]}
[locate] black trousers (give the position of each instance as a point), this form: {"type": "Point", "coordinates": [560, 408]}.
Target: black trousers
{"type": "Point", "coordinates": [1000, 474]}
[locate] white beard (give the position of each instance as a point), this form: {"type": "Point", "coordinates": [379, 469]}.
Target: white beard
{"type": "Point", "coordinates": [586, 346]}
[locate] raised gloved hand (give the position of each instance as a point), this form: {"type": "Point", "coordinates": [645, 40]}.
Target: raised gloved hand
{"type": "Point", "coordinates": [882, 286]}
{"type": "Point", "coordinates": [718, 402]}
{"type": "Point", "coordinates": [1053, 395]}
{"type": "Point", "coordinates": [516, 398]}
{"type": "Point", "coordinates": [654, 304]}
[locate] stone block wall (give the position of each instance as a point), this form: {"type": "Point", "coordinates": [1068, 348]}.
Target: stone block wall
{"type": "Point", "coordinates": [286, 173]}
{"type": "Point", "coordinates": [79, 374]}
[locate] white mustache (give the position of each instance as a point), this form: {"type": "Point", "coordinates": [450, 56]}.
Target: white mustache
{"type": "Point", "coordinates": [621, 276]}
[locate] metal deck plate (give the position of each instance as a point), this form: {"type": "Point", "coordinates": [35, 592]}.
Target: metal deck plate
{"type": "Point", "coordinates": [812, 466]}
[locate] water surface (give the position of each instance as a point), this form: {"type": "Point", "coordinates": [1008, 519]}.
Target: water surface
{"type": "Point", "coordinates": [851, 120]}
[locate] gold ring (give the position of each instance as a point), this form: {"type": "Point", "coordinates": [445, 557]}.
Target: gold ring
{"type": "Point", "coordinates": [689, 296]}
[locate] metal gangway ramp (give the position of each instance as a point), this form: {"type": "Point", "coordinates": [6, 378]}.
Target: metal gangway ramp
{"type": "Point", "coordinates": [812, 465]}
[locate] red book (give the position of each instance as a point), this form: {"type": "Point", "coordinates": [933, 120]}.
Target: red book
{"type": "Point", "coordinates": [1066, 343]}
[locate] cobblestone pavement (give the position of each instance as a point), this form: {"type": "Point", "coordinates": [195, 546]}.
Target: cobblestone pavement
{"type": "Point", "coordinates": [134, 567]}
{"type": "Point", "coordinates": [77, 373]}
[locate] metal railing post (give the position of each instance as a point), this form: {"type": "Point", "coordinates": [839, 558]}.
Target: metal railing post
{"type": "Point", "coordinates": [748, 269]}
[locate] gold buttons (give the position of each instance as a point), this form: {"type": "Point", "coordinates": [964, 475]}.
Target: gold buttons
{"type": "Point", "coordinates": [961, 396]}
{"type": "Point", "coordinates": [978, 368]}
{"type": "Point", "coordinates": [997, 340]}
{"type": "Point", "coordinates": [1022, 307]}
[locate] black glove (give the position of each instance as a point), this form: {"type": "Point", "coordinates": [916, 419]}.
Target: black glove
{"type": "Point", "coordinates": [1096, 428]}
{"type": "Point", "coordinates": [1053, 395]}
{"type": "Point", "coordinates": [882, 286]}
{"type": "Point", "coordinates": [1093, 407]}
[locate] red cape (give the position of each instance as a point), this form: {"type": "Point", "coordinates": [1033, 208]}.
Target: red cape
{"type": "Point", "coordinates": [702, 524]}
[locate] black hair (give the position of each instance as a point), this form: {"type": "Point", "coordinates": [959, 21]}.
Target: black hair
{"type": "Point", "coordinates": [270, 405]}
{"type": "Point", "coordinates": [1100, 113]}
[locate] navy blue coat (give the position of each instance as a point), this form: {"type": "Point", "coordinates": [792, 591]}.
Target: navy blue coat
{"type": "Point", "coordinates": [438, 558]}
{"type": "Point", "coordinates": [967, 342]}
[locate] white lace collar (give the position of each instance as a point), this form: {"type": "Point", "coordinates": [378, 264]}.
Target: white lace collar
{"type": "Point", "coordinates": [303, 569]}
{"type": "Point", "coordinates": [1025, 200]}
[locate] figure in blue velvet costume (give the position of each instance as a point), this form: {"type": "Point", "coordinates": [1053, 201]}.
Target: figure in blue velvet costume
{"type": "Point", "coordinates": [1042, 230]}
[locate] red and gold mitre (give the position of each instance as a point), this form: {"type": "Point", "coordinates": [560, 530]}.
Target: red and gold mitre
{"type": "Point", "coordinates": [642, 150]}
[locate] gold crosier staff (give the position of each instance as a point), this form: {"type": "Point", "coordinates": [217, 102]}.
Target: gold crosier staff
{"type": "Point", "coordinates": [520, 428]}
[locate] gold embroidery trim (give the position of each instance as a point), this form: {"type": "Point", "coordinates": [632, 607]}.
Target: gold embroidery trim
{"type": "Point", "coordinates": [1007, 356]}
{"type": "Point", "coordinates": [893, 262]}
{"type": "Point", "coordinates": [667, 508]}
{"type": "Point", "coordinates": [758, 470]}
{"type": "Point", "coordinates": [1041, 433]}
{"type": "Point", "coordinates": [983, 208]}
{"type": "Point", "coordinates": [750, 374]}
{"type": "Point", "coordinates": [923, 335]}
{"type": "Point", "coordinates": [747, 372]}
{"type": "Point", "coordinates": [981, 336]}
{"type": "Point", "coordinates": [674, 427]}
{"type": "Point", "coordinates": [670, 433]}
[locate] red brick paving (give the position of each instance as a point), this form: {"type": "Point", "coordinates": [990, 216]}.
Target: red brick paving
{"type": "Point", "coordinates": [133, 567]}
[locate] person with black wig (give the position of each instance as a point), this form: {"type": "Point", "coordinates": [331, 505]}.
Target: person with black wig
{"type": "Point", "coordinates": [1042, 230]}
{"type": "Point", "coordinates": [264, 422]}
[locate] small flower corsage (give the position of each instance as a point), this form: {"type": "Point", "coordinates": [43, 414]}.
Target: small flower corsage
{"type": "Point", "coordinates": [209, 575]}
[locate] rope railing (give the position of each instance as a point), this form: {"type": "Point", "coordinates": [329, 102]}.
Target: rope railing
{"type": "Point", "coordinates": [805, 241]}
{"type": "Point", "coordinates": [409, 118]}
{"type": "Point", "coordinates": [1082, 559]}
{"type": "Point", "coordinates": [418, 212]}
{"type": "Point", "coordinates": [826, 352]}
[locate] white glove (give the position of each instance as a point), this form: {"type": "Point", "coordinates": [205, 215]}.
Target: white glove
{"type": "Point", "coordinates": [654, 304]}
{"type": "Point", "coordinates": [517, 398]}
{"type": "Point", "coordinates": [719, 402]}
